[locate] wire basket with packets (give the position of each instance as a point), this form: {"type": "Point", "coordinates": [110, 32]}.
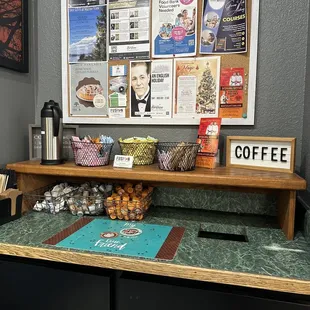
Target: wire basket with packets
{"type": "Point", "coordinates": [51, 199]}
{"type": "Point", "coordinates": [92, 152]}
{"type": "Point", "coordinates": [143, 150]}
{"type": "Point", "coordinates": [129, 202]}
{"type": "Point", "coordinates": [89, 199]}
{"type": "Point", "coordinates": [177, 156]}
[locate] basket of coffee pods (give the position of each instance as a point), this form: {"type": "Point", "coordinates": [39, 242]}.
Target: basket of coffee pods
{"type": "Point", "coordinates": [89, 198]}
{"type": "Point", "coordinates": [51, 199]}
{"type": "Point", "coordinates": [177, 156]}
{"type": "Point", "coordinates": [142, 149]}
{"type": "Point", "coordinates": [129, 202]}
{"type": "Point", "coordinates": [92, 152]}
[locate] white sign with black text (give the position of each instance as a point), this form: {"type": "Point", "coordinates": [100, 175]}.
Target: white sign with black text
{"type": "Point", "coordinates": [121, 161]}
{"type": "Point", "coordinates": [263, 153]}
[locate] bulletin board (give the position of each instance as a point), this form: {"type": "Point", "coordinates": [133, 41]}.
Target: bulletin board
{"type": "Point", "coordinates": [98, 88]}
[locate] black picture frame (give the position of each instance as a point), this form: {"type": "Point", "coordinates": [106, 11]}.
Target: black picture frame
{"type": "Point", "coordinates": [8, 53]}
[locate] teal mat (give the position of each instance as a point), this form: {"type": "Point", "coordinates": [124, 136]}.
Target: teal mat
{"type": "Point", "coordinates": [119, 237]}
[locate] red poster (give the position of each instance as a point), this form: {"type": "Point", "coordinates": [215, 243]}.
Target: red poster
{"type": "Point", "coordinates": [208, 137]}
{"type": "Point", "coordinates": [231, 92]}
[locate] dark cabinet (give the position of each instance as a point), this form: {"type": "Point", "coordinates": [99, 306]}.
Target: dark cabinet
{"type": "Point", "coordinates": [28, 286]}
{"type": "Point", "coordinates": [37, 285]}
{"type": "Point", "coordinates": [154, 293]}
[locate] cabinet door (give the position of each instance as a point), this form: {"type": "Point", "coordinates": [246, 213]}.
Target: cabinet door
{"type": "Point", "coordinates": [26, 286]}
{"type": "Point", "coordinates": [141, 295]}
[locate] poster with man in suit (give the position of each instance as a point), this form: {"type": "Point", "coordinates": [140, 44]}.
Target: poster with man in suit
{"type": "Point", "coordinates": [140, 88]}
{"type": "Point", "coordinates": [151, 88]}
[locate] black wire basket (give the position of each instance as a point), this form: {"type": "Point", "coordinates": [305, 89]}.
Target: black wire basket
{"type": "Point", "coordinates": [44, 199]}
{"type": "Point", "coordinates": [142, 152]}
{"type": "Point", "coordinates": [91, 154]}
{"type": "Point", "coordinates": [177, 156]}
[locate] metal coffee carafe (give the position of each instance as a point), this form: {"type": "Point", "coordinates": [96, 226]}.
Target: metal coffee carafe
{"type": "Point", "coordinates": [51, 134]}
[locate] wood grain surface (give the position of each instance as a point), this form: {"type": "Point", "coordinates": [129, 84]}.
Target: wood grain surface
{"type": "Point", "coordinates": [158, 268]}
{"type": "Point", "coordinates": [286, 205]}
{"type": "Point", "coordinates": [221, 176]}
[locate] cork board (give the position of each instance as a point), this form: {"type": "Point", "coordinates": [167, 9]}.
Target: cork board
{"type": "Point", "coordinates": [247, 61]}
{"type": "Point", "coordinates": [236, 60]}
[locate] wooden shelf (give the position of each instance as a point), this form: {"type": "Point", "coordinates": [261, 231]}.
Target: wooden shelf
{"type": "Point", "coordinates": [222, 176]}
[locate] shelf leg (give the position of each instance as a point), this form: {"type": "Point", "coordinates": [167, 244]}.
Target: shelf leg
{"type": "Point", "coordinates": [286, 212]}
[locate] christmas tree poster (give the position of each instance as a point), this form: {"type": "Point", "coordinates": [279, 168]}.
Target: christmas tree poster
{"type": "Point", "coordinates": [197, 87]}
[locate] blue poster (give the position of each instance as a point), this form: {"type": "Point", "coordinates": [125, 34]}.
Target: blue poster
{"type": "Point", "coordinates": [87, 34]}
{"type": "Point", "coordinates": [223, 27]}
{"type": "Point", "coordinates": [118, 237]}
{"type": "Point", "coordinates": [174, 28]}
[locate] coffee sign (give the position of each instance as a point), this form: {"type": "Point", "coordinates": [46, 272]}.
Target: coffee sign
{"type": "Point", "coordinates": [263, 153]}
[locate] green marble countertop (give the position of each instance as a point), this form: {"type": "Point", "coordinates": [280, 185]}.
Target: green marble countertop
{"type": "Point", "coordinates": [266, 253]}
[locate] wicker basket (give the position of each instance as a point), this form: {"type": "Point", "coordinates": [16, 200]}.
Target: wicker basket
{"type": "Point", "coordinates": [143, 152]}
{"type": "Point", "coordinates": [177, 156]}
{"type": "Point", "coordinates": [90, 154]}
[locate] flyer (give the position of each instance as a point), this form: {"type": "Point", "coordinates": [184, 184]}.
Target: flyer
{"type": "Point", "coordinates": [151, 89]}
{"type": "Point", "coordinates": [196, 87]}
{"type": "Point", "coordinates": [88, 89]}
{"type": "Point", "coordinates": [129, 29]}
{"type": "Point", "coordinates": [232, 93]}
{"type": "Point", "coordinates": [118, 83]}
{"type": "Point", "coordinates": [174, 28]}
{"type": "Point", "coordinates": [88, 34]}
{"type": "Point", "coordinates": [223, 27]}
{"type": "Point", "coordinates": [208, 138]}
{"type": "Point", "coordinates": [162, 81]}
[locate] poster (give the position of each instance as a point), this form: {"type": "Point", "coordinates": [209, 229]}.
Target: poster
{"type": "Point", "coordinates": [208, 138]}
{"type": "Point", "coordinates": [162, 87]}
{"type": "Point", "coordinates": [232, 93]}
{"type": "Point", "coordinates": [88, 34]}
{"type": "Point", "coordinates": [174, 28]}
{"type": "Point", "coordinates": [88, 89]}
{"type": "Point", "coordinates": [151, 89]}
{"type": "Point", "coordinates": [196, 87]}
{"type": "Point", "coordinates": [129, 29]}
{"type": "Point", "coordinates": [118, 83]}
{"type": "Point", "coordinates": [223, 27]}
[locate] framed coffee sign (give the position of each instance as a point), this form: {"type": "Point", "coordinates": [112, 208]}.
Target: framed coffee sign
{"type": "Point", "coordinates": [262, 153]}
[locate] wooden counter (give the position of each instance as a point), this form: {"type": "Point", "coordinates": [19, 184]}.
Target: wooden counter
{"type": "Point", "coordinates": [250, 265]}
{"type": "Point", "coordinates": [161, 269]}
{"type": "Point", "coordinates": [31, 175]}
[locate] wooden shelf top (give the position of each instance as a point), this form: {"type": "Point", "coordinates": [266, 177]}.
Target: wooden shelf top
{"type": "Point", "coordinates": [221, 176]}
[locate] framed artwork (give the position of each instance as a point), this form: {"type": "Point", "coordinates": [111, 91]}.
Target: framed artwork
{"type": "Point", "coordinates": [14, 35]}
